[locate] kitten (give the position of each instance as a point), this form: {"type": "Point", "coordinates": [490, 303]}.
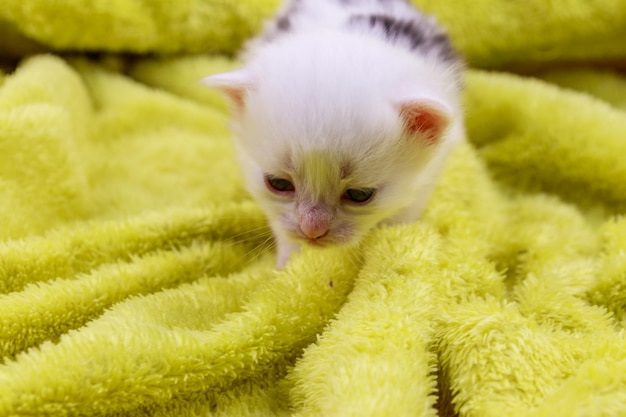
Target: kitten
{"type": "Point", "coordinates": [344, 114]}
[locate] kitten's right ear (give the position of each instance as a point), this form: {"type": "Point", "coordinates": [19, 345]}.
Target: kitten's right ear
{"type": "Point", "coordinates": [234, 85]}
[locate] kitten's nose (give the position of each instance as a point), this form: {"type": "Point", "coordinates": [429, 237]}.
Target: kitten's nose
{"type": "Point", "coordinates": [314, 232]}
{"type": "Point", "coordinates": [315, 223]}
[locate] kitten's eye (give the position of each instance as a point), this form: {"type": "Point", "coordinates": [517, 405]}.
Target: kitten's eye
{"type": "Point", "coordinates": [278, 184]}
{"type": "Point", "coordinates": [359, 195]}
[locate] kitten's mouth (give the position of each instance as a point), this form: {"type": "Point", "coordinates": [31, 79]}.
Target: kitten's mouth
{"type": "Point", "coordinates": [320, 243]}
{"type": "Point", "coordinates": [335, 237]}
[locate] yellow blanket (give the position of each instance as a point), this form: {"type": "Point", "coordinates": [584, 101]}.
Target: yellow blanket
{"type": "Point", "coordinates": [137, 278]}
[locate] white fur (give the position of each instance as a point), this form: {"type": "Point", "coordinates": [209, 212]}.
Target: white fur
{"type": "Point", "coordinates": [314, 15]}
{"type": "Point", "coordinates": [323, 100]}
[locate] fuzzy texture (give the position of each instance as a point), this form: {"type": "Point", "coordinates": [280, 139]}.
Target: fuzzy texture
{"type": "Point", "coordinates": [133, 25]}
{"type": "Point", "coordinates": [135, 278]}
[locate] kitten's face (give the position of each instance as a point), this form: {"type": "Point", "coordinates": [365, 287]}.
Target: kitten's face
{"type": "Point", "coordinates": [324, 198]}
{"type": "Point", "coordinates": [316, 199]}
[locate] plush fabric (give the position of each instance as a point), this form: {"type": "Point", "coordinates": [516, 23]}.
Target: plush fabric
{"type": "Point", "coordinates": [137, 276]}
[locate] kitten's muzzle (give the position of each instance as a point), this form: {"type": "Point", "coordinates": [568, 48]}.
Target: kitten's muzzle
{"type": "Point", "coordinates": [315, 232]}
{"type": "Point", "coordinates": [315, 222]}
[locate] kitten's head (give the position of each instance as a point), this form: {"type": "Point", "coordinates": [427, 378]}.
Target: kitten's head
{"type": "Point", "coordinates": [326, 155]}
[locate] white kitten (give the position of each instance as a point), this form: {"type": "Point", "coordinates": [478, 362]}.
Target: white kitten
{"type": "Point", "coordinates": [344, 114]}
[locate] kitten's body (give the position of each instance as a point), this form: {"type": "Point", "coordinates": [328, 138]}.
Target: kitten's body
{"type": "Point", "coordinates": [339, 98]}
{"type": "Point", "coordinates": [395, 21]}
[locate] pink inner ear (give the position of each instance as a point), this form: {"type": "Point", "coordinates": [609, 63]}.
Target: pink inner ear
{"type": "Point", "coordinates": [424, 120]}
{"type": "Point", "coordinates": [234, 85]}
{"type": "Point", "coordinates": [236, 96]}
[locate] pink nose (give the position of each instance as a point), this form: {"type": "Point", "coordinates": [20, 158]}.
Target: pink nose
{"type": "Point", "coordinates": [313, 232]}
{"type": "Point", "coordinates": [315, 223]}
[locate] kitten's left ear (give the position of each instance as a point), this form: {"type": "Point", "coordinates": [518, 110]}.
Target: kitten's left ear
{"type": "Point", "coordinates": [424, 119]}
{"type": "Point", "coordinates": [234, 85]}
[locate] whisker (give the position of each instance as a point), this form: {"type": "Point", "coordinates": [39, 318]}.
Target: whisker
{"type": "Point", "coordinates": [243, 232]}
{"type": "Point", "coordinates": [251, 233]}
{"type": "Point", "coordinates": [252, 239]}
{"type": "Point", "coordinates": [267, 245]}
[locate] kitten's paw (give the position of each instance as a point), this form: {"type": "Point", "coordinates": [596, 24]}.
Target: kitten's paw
{"type": "Point", "coordinates": [285, 249]}
{"type": "Point", "coordinates": [281, 261]}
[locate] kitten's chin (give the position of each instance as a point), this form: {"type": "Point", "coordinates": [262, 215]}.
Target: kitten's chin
{"type": "Point", "coordinates": [324, 242]}
{"type": "Point", "coordinates": [337, 236]}
{"type": "Point", "coordinates": [319, 243]}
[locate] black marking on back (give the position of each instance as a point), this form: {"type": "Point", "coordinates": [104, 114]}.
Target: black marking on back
{"type": "Point", "coordinates": [418, 32]}
{"type": "Point", "coordinates": [423, 35]}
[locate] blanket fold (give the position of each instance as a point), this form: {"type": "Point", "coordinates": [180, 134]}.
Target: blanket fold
{"type": "Point", "coordinates": [137, 276]}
